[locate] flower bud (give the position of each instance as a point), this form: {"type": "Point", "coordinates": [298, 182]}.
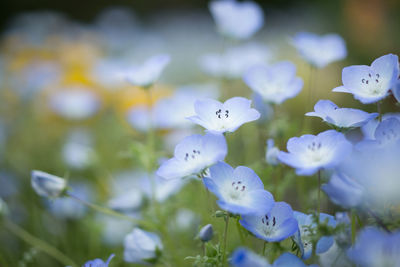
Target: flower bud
{"type": "Point", "coordinates": [47, 185]}
{"type": "Point", "coordinates": [206, 233]}
{"type": "Point", "coordinates": [3, 207]}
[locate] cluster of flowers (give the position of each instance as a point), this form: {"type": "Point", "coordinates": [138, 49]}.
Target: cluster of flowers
{"type": "Point", "coordinates": [363, 173]}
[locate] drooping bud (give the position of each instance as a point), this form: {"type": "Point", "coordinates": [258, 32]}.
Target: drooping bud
{"type": "Point", "coordinates": [47, 185]}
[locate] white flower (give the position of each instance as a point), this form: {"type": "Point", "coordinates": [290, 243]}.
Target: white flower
{"type": "Point", "coordinates": [47, 185]}
{"type": "Point", "coordinates": [142, 247]}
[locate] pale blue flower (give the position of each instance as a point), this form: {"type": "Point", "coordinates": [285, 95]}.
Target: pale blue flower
{"type": "Point", "coordinates": [271, 155]}
{"type": "Point", "coordinates": [274, 226]}
{"type": "Point", "coordinates": [47, 185]}
{"type": "Point", "coordinates": [396, 91]}
{"type": "Point", "coordinates": [369, 129]}
{"type": "Point", "coordinates": [289, 260]}
{"type": "Point", "coordinates": [149, 72]}
{"type": "Point", "coordinates": [111, 73]}
{"type": "Point", "coordinates": [344, 191]}
{"type": "Point", "coordinates": [320, 50]}
{"type": "Point", "coordinates": [78, 152]}
{"type": "Point", "coordinates": [341, 117]}
{"type": "Point", "coordinates": [274, 83]}
{"type": "Point", "coordinates": [238, 20]}
{"type": "Point", "coordinates": [376, 248]}
{"type": "Point", "coordinates": [369, 84]}
{"type": "Point", "coordinates": [239, 191]}
{"type": "Point", "coordinates": [303, 236]}
{"type": "Point", "coordinates": [163, 188]}
{"type": "Point", "coordinates": [219, 117]}
{"type": "Point", "coordinates": [142, 247]}
{"type": "Point", "coordinates": [309, 153]}
{"type": "Point", "coordinates": [206, 233]}
{"type": "Point", "coordinates": [235, 61]}
{"type": "Point", "coordinates": [113, 229]}
{"type": "Point", "coordinates": [75, 103]}
{"type": "Point", "coordinates": [99, 262]}
{"type": "Point", "coordinates": [386, 134]}
{"type": "Point", "coordinates": [193, 155]}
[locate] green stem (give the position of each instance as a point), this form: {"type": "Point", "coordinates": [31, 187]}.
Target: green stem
{"type": "Point", "coordinates": [378, 106]}
{"type": "Point", "coordinates": [225, 238]}
{"type": "Point", "coordinates": [242, 241]}
{"type": "Point", "coordinates": [353, 226]}
{"type": "Point", "coordinates": [108, 211]}
{"type": "Point", "coordinates": [264, 248]}
{"type": "Point", "coordinates": [39, 244]}
{"type": "Point", "coordinates": [319, 194]}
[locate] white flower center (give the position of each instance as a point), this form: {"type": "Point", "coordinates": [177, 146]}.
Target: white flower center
{"type": "Point", "coordinates": [372, 84]}
{"type": "Point", "coordinates": [315, 152]}
{"type": "Point", "coordinates": [268, 225]}
{"type": "Point", "coordinates": [236, 192]}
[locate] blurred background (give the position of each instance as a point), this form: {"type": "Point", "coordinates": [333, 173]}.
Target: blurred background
{"type": "Point", "coordinates": [64, 113]}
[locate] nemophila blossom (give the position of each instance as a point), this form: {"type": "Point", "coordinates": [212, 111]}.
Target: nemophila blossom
{"type": "Point", "coordinates": [78, 152]}
{"type": "Point", "coordinates": [163, 188]}
{"type": "Point", "coordinates": [142, 247]}
{"type": "Point", "coordinates": [47, 185]}
{"type": "Point", "coordinates": [274, 226]}
{"type": "Point", "coordinates": [185, 220]}
{"type": "Point", "coordinates": [233, 63]}
{"type": "Point", "coordinates": [239, 191]}
{"type": "Point", "coordinates": [75, 103]}
{"type": "Point", "coordinates": [219, 117]}
{"type": "Point", "coordinates": [376, 248]}
{"type": "Point", "coordinates": [274, 83]}
{"type": "Point", "coordinates": [303, 236]}
{"type": "Point", "coordinates": [271, 155]}
{"type": "Point", "coordinates": [149, 72]}
{"type": "Point", "coordinates": [111, 73]}
{"type": "Point", "coordinates": [193, 155]}
{"type": "Point", "coordinates": [341, 117]}
{"type": "Point", "coordinates": [369, 84]}
{"type": "Point", "coordinates": [396, 91]}
{"type": "Point", "coordinates": [237, 20]}
{"type": "Point", "coordinates": [311, 153]}
{"type": "Point", "coordinates": [386, 134]}
{"type": "Point", "coordinates": [369, 129]}
{"type": "Point", "coordinates": [243, 257]}
{"type": "Point", "coordinates": [320, 50]}
{"type": "Point", "coordinates": [113, 229]}
{"type": "Point", "coordinates": [344, 191]}
{"type": "Point", "coordinates": [99, 262]}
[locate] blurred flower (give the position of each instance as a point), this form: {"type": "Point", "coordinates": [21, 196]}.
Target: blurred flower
{"type": "Point", "coordinates": [235, 61]}
{"type": "Point", "coordinates": [344, 191]}
{"type": "Point", "coordinates": [219, 117]}
{"type": "Point", "coordinates": [289, 260]}
{"type": "Point", "coordinates": [303, 237]}
{"type": "Point", "coordinates": [99, 262]}
{"type": "Point", "coordinates": [78, 152]}
{"type": "Point", "coordinates": [243, 257]}
{"type": "Point", "coordinates": [149, 72]}
{"type": "Point", "coordinates": [386, 134]}
{"type": "Point", "coordinates": [111, 72]}
{"type": "Point", "coordinates": [341, 117]}
{"type": "Point", "coordinates": [369, 129]}
{"type": "Point", "coordinates": [163, 188]}
{"type": "Point", "coordinates": [206, 233]}
{"type": "Point", "coordinates": [75, 103]}
{"type": "Point", "coordinates": [193, 155]}
{"type": "Point", "coordinates": [68, 208]}
{"type": "Point", "coordinates": [114, 229]}
{"type": "Point", "coordinates": [239, 191]}
{"type": "Point", "coordinates": [320, 50]}
{"type": "Point", "coordinates": [185, 220]}
{"type": "Point", "coordinates": [274, 226]}
{"type": "Point", "coordinates": [375, 248]}
{"type": "Point", "coordinates": [265, 109]}
{"type": "Point", "coordinates": [311, 153]}
{"type": "Point", "coordinates": [47, 185]}
{"type": "Point", "coordinates": [237, 20]}
{"type": "Point", "coordinates": [396, 91]}
{"type": "Point", "coordinates": [271, 155]}
{"type": "Point", "coordinates": [142, 247]}
{"type": "Point", "coordinates": [3, 208]}
{"type": "Point", "coordinates": [369, 84]}
{"type": "Point", "coordinates": [274, 83]}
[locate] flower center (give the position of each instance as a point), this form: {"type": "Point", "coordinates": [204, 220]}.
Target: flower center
{"type": "Point", "coordinates": [315, 151]}
{"type": "Point", "coordinates": [268, 224]}
{"type": "Point", "coordinates": [372, 83]}
{"type": "Point", "coordinates": [222, 114]}
{"type": "Point", "coordinates": [237, 190]}
{"type": "Point", "coordinates": [192, 155]}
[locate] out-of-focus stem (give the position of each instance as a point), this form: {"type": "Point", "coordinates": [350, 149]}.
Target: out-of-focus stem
{"type": "Point", "coordinates": [225, 239]}
{"type": "Point", "coordinates": [38, 243]}
{"type": "Point", "coordinates": [319, 195]}
{"type": "Point", "coordinates": [378, 107]}
{"type": "Point", "coordinates": [242, 241]}
{"type": "Point", "coordinates": [353, 227]}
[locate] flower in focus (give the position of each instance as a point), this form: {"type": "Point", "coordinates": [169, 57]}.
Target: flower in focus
{"type": "Point", "coordinates": [344, 191]}
{"type": "Point", "coordinates": [341, 117]}
{"type": "Point", "coordinates": [271, 156]}
{"type": "Point", "coordinates": [311, 153]}
{"type": "Point", "coordinates": [193, 155]}
{"type": "Point", "coordinates": [75, 103]}
{"type": "Point", "coordinates": [98, 262]}
{"type": "Point", "coordinates": [47, 185]}
{"type": "Point", "coordinates": [142, 247]}
{"type": "Point", "coordinates": [239, 191]}
{"type": "Point", "coordinates": [274, 226]}
{"type": "Point", "coordinates": [375, 248]}
{"type": "Point", "coordinates": [237, 20]}
{"type": "Point", "coordinates": [274, 83]}
{"type": "Point", "coordinates": [206, 233]}
{"type": "Point", "coordinates": [303, 236]}
{"type": "Point", "coordinates": [235, 61]}
{"type": "Point", "coordinates": [320, 50]}
{"type": "Point", "coordinates": [369, 84]}
{"type": "Point", "coordinates": [149, 72]}
{"type": "Point", "coordinates": [219, 117]}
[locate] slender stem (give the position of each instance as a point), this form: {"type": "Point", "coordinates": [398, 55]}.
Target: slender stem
{"type": "Point", "coordinates": [225, 238]}
{"type": "Point", "coordinates": [108, 211]}
{"type": "Point", "coordinates": [264, 248]}
{"type": "Point", "coordinates": [319, 194]}
{"type": "Point", "coordinates": [242, 241]}
{"type": "Point", "coordinates": [379, 221]}
{"type": "Point", "coordinates": [39, 244]}
{"type": "Point", "coordinates": [378, 106]}
{"type": "Point", "coordinates": [353, 226]}
{"type": "Point", "coordinates": [203, 246]}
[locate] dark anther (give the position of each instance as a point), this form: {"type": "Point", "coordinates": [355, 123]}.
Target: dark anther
{"type": "Point", "coordinates": [377, 75]}
{"type": "Point", "coordinates": [363, 80]}
{"type": "Point", "coordinates": [243, 188]}
{"type": "Point", "coordinates": [366, 82]}
{"type": "Point", "coordinates": [273, 221]}
{"type": "Point", "coordinates": [377, 80]}
{"type": "Point", "coordinates": [369, 74]}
